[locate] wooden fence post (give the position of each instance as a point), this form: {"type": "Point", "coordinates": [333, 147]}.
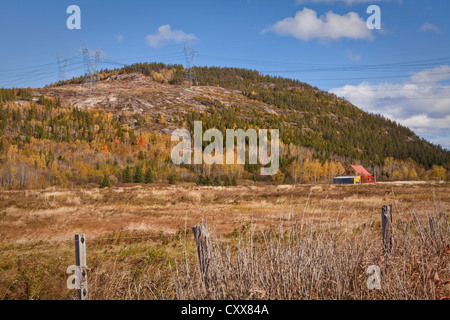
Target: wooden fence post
{"type": "Point", "coordinates": [80, 258]}
{"type": "Point", "coordinates": [386, 225]}
{"type": "Point", "coordinates": [432, 226]}
{"type": "Point", "coordinates": [202, 240]}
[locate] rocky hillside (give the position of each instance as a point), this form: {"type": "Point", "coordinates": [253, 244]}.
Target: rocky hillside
{"type": "Point", "coordinates": [140, 95]}
{"type": "Point", "coordinates": [118, 130]}
{"type": "Point", "coordinates": [306, 116]}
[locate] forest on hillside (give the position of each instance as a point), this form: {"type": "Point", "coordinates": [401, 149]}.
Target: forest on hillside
{"type": "Point", "coordinates": [311, 117]}
{"type": "Point", "coordinates": [46, 144]}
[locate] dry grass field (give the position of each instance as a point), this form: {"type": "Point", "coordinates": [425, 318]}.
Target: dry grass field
{"type": "Point", "coordinates": [268, 242]}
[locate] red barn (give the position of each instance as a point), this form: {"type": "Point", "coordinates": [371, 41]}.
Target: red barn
{"type": "Point", "coordinates": [366, 176]}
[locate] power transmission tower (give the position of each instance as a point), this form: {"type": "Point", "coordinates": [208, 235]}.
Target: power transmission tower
{"type": "Point", "coordinates": [190, 55]}
{"type": "Point", "coordinates": [62, 65]}
{"type": "Point", "coordinates": [91, 61]}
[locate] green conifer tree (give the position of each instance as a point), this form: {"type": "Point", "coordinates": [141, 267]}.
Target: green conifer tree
{"type": "Point", "coordinates": [126, 176]}
{"type": "Point", "coordinates": [172, 178]}
{"type": "Point", "coordinates": [105, 182]}
{"type": "Point", "coordinates": [149, 178]}
{"type": "Point", "coordinates": [139, 175]}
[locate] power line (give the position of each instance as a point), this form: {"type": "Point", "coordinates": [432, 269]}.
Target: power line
{"type": "Point", "coordinates": [120, 61]}
{"type": "Point", "coordinates": [377, 77]}
{"type": "Point", "coordinates": [92, 58]}
{"type": "Point", "coordinates": [337, 67]}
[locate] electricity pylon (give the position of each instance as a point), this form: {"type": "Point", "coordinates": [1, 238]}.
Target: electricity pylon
{"type": "Point", "coordinates": [190, 55]}
{"type": "Point", "coordinates": [62, 64]}
{"type": "Point", "coordinates": [91, 61]}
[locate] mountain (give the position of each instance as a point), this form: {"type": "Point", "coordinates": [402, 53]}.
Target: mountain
{"type": "Point", "coordinates": [318, 119]}
{"type": "Point", "coordinates": [137, 107]}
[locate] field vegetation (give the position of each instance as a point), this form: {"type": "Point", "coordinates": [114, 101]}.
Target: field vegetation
{"type": "Point", "coordinates": [268, 242]}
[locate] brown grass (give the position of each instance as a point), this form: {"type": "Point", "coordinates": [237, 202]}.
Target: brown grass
{"type": "Point", "coordinates": [306, 262]}
{"type": "Point", "coordinates": [268, 242]}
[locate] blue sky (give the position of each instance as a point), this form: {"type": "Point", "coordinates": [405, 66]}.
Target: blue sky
{"type": "Point", "coordinates": [401, 71]}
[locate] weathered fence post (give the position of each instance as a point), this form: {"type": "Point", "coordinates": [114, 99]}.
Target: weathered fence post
{"type": "Point", "coordinates": [202, 240]}
{"type": "Point", "coordinates": [81, 268]}
{"type": "Point", "coordinates": [432, 226]}
{"type": "Point", "coordinates": [386, 225]}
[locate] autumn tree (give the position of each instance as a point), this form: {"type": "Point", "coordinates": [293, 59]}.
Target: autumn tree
{"type": "Point", "coordinates": [294, 170]}
{"type": "Point", "coordinates": [278, 178]}
{"type": "Point", "coordinates": [438, 172]}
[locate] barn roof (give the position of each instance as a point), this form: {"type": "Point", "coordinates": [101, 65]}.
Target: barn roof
{"type": "Point", "coordinates": [361, 170]}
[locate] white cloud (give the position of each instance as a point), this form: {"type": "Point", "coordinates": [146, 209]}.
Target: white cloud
{"type": "Point", "coordinates": [119, 38]}
{"type": "Point", "coordinates": [432, 75]}
{"type": "Point", "coordinates": [421, 103]}
{"type": "Point", "coordinates": [430, 27]}
{"type": "Point", "coordinates": [165, 35]}
{"type": "Point", "coordinates": [306, 25]}
{"type": "Point", "coordinates": [354, 57]}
